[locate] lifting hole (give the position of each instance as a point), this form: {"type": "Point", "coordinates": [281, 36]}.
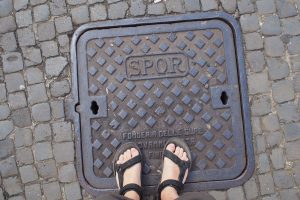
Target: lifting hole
{"type": "Point", "coordinates": [94, 107]}
{"type": "Point", "coordinates": [224, 98]}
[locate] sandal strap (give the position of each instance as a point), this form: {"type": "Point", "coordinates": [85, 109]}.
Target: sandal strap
{"type": "Point", "coordinates": [131, 187]}
{"type": "Point", "coordinates": [178, 186]}
{"type": "Point", "coordinates": [183, 165]}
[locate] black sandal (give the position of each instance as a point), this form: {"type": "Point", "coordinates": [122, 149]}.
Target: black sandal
{"type": "Point", "coordinates": [119, 169]}
{"type": "Point", "coordinates": [183, 165]}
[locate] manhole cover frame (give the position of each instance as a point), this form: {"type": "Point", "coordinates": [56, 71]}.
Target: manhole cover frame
{"type": "Point", "coordinates": [72, 102]}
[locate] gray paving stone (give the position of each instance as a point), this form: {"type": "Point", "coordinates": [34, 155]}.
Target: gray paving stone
{"type": "Point", "coordinates": [270, 123]}
{"type": "Point", "coordinates": [21, 117]}
{"type": "Point", "coordinates": [33, 75]}
{"type": "Point", "coordinates": [80, 14]}
{"type": "Point", "coordinates": [36, 2]}
{"type": "Point", "coordinates": [98, 12]}
{"type": "Point", "coordinates": [282, 91]}
{"type": "Point", "coordinates": [256, 61]}
{"type": "Point", "coordinates": [67, 173]}
{"type": "Point", "coordinates": [55, 66]}
{"type": "Point", "coordinates": [245, 6]}
{"type": "Point", "coordinates": [17, 100]}
{"type": "Point", "coordinates": [23, 137]}
{"type": "Point", "coordinates": [249, 23]}
{"type": "Point", "coordinates": [266, 184]}
{"type": "Point", "coordinates": [236, 193]}
{"type": "Point", "coordinates": [37, 93]}
{"type": "Point", "coordinates": [32, 56]}
{"type": "Point", "coordinates": [4, 111]}
{"type": "Point", "coordinates": [45, 31]}
{"type": "Point", "coordinates": [117, 10]}
{"type": "Point", "coordinates": [288, 113]}
{"type": "Point", "coordinates": [33, 192]}
{"type": "Point", "coordinates": [6, 128]}
{"type": "Point", "coordinates": [294, 45]}
{"type": "Point", "coordinates": [285, 8]}
{"type": "Point", "coordinates": [20, 197]}
{"type": "Point", "coordinates": [12, 185]}
{"type": "Point", "coordinates": [26, 37]}
{"type": "Point", "coordinates": [138, 8]}
{"type": "Point", "coordinates": [42, 151]}
{"type": "Point", "coordinates": [278, 159]}
{"type": "Point", "coordinates": [60, 88]}
{"type": "Point", "coordinates": [14, 82]}
{"type": "Point", "coordinates": [209, 5]}
{"type": "Point", "coordinates": [253, 41]}
{"type": "Point", "coordinates": [72, 191]}
{"type": "Point", "coordinates": [156, 9]}
{"type": "Point", "coordinates": [174, 6]}
{"type": "Point", "coordinates": [52, 191]}
{"type": "Point", "coordinates": [292, 131]}
{"type": "Point", "coordinates": [274, 139]}
{"type": "Point", "coordinates": [295, 63]}
{"type": "Point", "coordinates": [41, 13]}
{"type": "Point", "coordinates": [6, 7]}
{"type": "Point", "coordinates": [63, 41]}
{"type": "Point", "coordinates": [58, 7]}
{"type": "Point", "coordinates": [20, 4]}
{"type": "Point", "coordinates": [271, 197]}
{"type": "Point", "coordinates": [291, 26]}
{"type": "Point", "coordinates": [3, 96]}
{"type": "Point", "coordinates": [95, 1]}
{"type": "Point", "coordinates": [7, 24]}
{"type": "Point", "coordinates": [278, 68]}
{"type": "Point", "coordinates": [62, 131]}
{"type": "Point", "coordinates": [261, 106]}
{"type": "Point", "coordinates": [24, 18]}
{"type": "Point", "coordinates": [265, 6]}
{"type": "Point", "coordinates": [274, 46]}
{"type": "Point", "coordinates": [297, 83]}
{"type": "Point", "coordinates": [263, 163]}
{"type": "Point", "coordinates": [63, 24]}
{"type": "Point", "coordinates": [57, 109]}
{"type": "Point", "coordinates": [1, 194]}
{"type": "Point", "coordinates": [251, 189]}
{"type": "Point", "coordinates": [283, 179]}
{"type": "Point", "coordinates": [49, 48]}
{"type": "Point", "coordinates": [290, 194]}
{"type": "Point", "coordinates": [24, 156]}
{"type": "Point", "coordinates": [229, 5]}
{"type": "Point", "coordinates": [292, 150]}
{"type": "Point", "coordinates": [190, 5]}
{"type": "Point", "coordinates": [28, 173]}
{"type": "Point", "coordinates": [258, 83]}
{"type": "Point", "coordinates": [47, 169]}
{"type": "Point", "coordinates": [63, 152]}
{"type": "Point", "coordinates": [12, 62]}
{"type": "Point", "coordinates": [75, 2]}
{"type": "Point", "coordinates": [260, 144]}
{"type": "Point", "coordinates": [8, 167]}
{"type": "Point", "coordinates": [42, 132]}
{"type": "Point", "coordinates": [8, 41]}
{"type": "Point", "coordinates": [256, 125]}
{"type": "Point", "coordinates": [218, 195]}
{"type": "Point", "coordinates": [6, 148]}
{"type": "Point", "coordinates": [112, 1]}
{"type": "Point", "coordinates": [41, 112]}
{"type": "Point", "coordinates": [271, 26]}
{"type": "Point", "coordinates": [296, 171]}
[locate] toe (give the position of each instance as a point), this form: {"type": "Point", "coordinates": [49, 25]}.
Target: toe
{"type": "Point", "coordinates": [180, 153]}
{"type": "Point", "coordinates": [121, 159]}
{"type": "Point", "coordinates": [184, 156]}
{"type": "Point", "coordinates": [177, 151]}
{"type": "Point", "coordinates": [127, 155]}
{"type": "Point", "coordinates": [171, 147]}
{"type": "Point", "coordinates": [134, 152]}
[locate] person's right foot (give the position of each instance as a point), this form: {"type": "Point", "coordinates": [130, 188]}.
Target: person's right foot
{"type": "Point", "coordinates": [171, 171]}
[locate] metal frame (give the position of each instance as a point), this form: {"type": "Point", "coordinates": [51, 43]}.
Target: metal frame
{"type": "Point", "coordinates": [228, 19]}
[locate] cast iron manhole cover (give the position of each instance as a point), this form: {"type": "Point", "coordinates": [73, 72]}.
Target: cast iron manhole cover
{"type": "Point", "coordinates": [146, 80]}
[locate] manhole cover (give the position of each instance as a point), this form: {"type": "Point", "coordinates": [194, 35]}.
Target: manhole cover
{"type": "Point", "coordinates": [146, 80]}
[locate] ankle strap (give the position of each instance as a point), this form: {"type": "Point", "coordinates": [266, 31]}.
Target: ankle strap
{"type": "Point", "coordinates": [131, 187]}
{"type": "Point", "coordinates": [178, 186]}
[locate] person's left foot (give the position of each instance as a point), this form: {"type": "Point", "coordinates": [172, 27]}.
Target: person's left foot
{"type": "Point", "coordinates": [132, 174]}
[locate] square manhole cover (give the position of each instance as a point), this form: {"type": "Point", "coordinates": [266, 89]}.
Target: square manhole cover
{"type": "Point", "coordinates": [146, 80]}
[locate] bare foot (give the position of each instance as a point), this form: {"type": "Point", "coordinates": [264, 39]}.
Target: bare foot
{"type": "Point", "coordinates": [132, 174]}
{"type": "Point", "coordinates": [171, 171]}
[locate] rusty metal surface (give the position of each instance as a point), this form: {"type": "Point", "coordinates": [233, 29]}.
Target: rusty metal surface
{"type": "Point", "coordinates": [148, 83]}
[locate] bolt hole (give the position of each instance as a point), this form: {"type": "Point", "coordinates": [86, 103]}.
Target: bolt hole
{"type": "Point", "coordinates": [94, 107]}
{"type": "Point", "coordinates": [224, 98]}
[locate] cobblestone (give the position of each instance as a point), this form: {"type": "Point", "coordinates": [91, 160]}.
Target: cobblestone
{"type": "Point", "coordinates": [249, 23]}
{"type": "Point", "coordinates": [288, 113]}
{"type": "Point", "coordinates": [7, 24]}
{"type": "Point", "coordinates": [12, 62]}
{"type": "Point", "coordinates": [274, 139]}
{"type": "Point", "coordinates": [20, 4]}
{"type": "Point", "coordinates": [236, 193]}
{"type": "Point", "coordinates": [277, 158]}
{"type": "Point", "coordinates": [292, 131]}
{"type": "Point", "coordinates": [63, 152]}
{"type": "Point", "coordinates": [33, 192]}
{"type": "Point", "coordinates": [45, 31]}
{"type": "Point", "coordinates": [42, 132]}
{"type": "Point", "coordinates": [63, 24]}
{"type": "Point", "coordinates": [8, 41]}
{"type": "Point", "coordinates": [42, 151]}
{"type": "Point", "coordinates": [229, 5]}
{"type": "Point", "coordinates": [32, 56]}
{"type": "Point", "coordinates": [290, 194]}
{"type": "Point", "coordinates": [63, 41]}
{"type": "Point", "coordinates": [98, 12]}
{"type": "Point", "coordinates": [271, 26]}
{"type": "Point", "coordinates": [59, 88]}
{"type": "Point", "coordinates": [117, 10]}
{"type": "Point", "coordinates": [3, 91]}
{"type": "Point", "coordinates": [283, 179]}
{"type": "Point", "coordinates": [62, 131]}
{"type": "Point", "coordinates": [265, 6]}
{"type": "Point", "coordinates": [263, 163]}
{"type": "Point", "coordinates": [174, 6]}
{"type": "Point", "coordinates": [17, 100]}
{"type": "Point", "coordinates": [37, 2]}
{"type": "Point", "coordinates": [80, 14]}
{"type": "Point", "coordinates": [49, 48]}
{"type": "Point", "coordinates": [258, 83]}
{"type": "Point", "coordinates": [245, 6]}
{"type": "Point", "coordinates": [14, 82]}
{"type": "Point", "coordinates": [156, 9]}
{"type": "Point", "coordinates": [274, 46]}
{"type": "Point", "coordinates": [251, 190]}
{"type": "Point", "coordinates": [47, 169]}
{"type": "Point", "coordinates": [283, 91]}
{"type": "Point", "coordinates": [292, 150]}
{"type": "Point", "coordinates": [270, 123]}
{"type": "Point", "coordinates": [296, 171]}
{"type": "Point", "coordinates": [21, 117]}
{"type": "Point", "coordinates": [24, 18]}
{"type": "Point", "coordinates": [209, 5]}
{"type": "Point", "coordinates": [191, 5]}
{"type": "Point", "coordinates": [6, 128]}
{"type": "Point", "coordinates": [266, 184]}
{"type": "Point", "coordinates": [26, 37]}
{"type": "Point", "coordinates": [138, 8]}
{"type": "Point", "coordinates": [72, 191]}
{"type": "Point", "coordinates": [250, 45]}
{"type": "Point", "coordinates": [294, 45]}
{"type": "Point", "coordinates": [57, 109]}
{"type": "Point", "coordinates": [260, 144]}
{"type": "Point", "coordinates": [8, 167]}
{"type": "Point", "coordinates": [41, 13]}
{"type": "Point", "coordinates": [37, 93]}
{"type": "Point", "coordinates": [6, 7]}
{"type": "Point", "coordinates": [6, 148]}
{"type": "Point", "coordinates": [256, 61]}
{"type": "Point", "coordinates": [34, 75]}
{"type": "Point", "coordinates": [67, 173]}
{"type": "Point", "coordinates": [41, 112]}
{"type": "Point", "coordinates": [261, 106]}
{"type": "Point", "coordinates": [12, 186]}
{"type": "Point", "coordinates": [285, 8]}
{"type": "Point", "coordinates": [28, 173]}
{"type": "Point", "coordinates": [23, 137]}
{"type": "Point", "coordinates": [291, 26]}
{"type": "Point", "coordinates": [24, 156]}
{"type": "Point", "coordinates": [278, 69]}
{"type": "Point", "coordinates": [52, 191]}
{"type": "Point", "coordinates": [4, 111]}
{"type": "Point", "coordinates": [55, 66]}
{"type": "Point", "coordinates": [58, 7]}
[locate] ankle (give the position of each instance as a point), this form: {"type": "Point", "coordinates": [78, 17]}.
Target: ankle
{"type": "Point", "coordinates": [168, 193]}
{"type": "Point", "coordinates": [132, 195]}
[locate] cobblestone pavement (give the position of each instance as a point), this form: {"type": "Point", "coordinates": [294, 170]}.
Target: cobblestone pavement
{"type": "Point", "coordinates": [37, 144]}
